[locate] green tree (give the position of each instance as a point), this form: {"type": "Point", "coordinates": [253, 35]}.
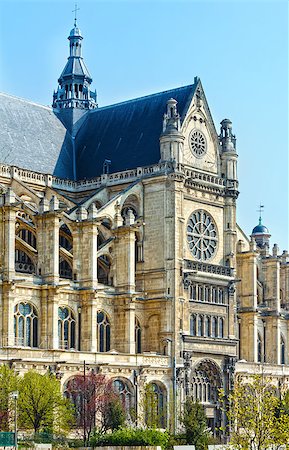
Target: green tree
{"type": "Point", "coordinates": [8, 384]}
{"type": "Point", "coordinates": [194, 421]}
{"type": "Point", "coordinates": [254, 415]}
{"type": "Point", "coordinates": [113, 414]}
{"type": "Point", "coordinates": [42, 405]}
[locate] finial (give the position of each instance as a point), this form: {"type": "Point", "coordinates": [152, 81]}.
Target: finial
{"type": "Point", "coordinates": [75, 11]}
{"type": "Point", "coordinates": [260, 211]}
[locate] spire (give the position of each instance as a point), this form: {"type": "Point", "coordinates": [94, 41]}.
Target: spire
{"type": "Point", "coordinates": [171, 122]}
{"type": "Point", "coordinates": [74, 83]}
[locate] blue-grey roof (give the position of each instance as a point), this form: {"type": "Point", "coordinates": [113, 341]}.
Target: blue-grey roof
{"type": "Point", "coordinates": [127, 133]}
{"type": "Point", "coordinates": [31, 136]}
{"type": "Point", "coordinates": [260, 229]}
{"type": "Point", "coordinates": [75, 66]}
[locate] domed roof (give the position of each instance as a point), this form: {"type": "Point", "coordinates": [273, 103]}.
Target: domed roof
{"type": "Point", "coordinates": [260, 228]}
{"type": "Point", "coordinates": [75, 32]}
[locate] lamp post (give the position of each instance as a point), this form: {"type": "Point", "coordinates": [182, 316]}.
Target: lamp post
{"type": "Point", "coordinates": [15, 395]}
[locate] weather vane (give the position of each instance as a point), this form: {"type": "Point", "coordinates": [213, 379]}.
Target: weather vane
{"type": "Point", "coordinates": [260, 211]}
{"type": "Point", "coordinates": [75, 15]}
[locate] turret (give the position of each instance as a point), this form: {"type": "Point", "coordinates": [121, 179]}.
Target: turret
{"type": "Point", "coordinates": [229, 157]}
{"type": "Point", "coordinates": [73, 98]}
{"type": "Point", "coordinates": [261, 236]}
{"type": "Point", "coordinates": [171, 139]}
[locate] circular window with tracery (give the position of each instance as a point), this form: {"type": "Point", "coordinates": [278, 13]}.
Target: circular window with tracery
{"type": "Point", "coordinates": [198, 143]}
{"type": "Point", "coordinates": [202, 235]}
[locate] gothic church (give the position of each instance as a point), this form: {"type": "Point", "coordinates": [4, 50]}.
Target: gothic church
{"type": "Point", "coordinates": [120, 247]}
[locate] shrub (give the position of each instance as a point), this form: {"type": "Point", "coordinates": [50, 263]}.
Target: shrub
{"type": "Point", "coordinates": [131, 436]}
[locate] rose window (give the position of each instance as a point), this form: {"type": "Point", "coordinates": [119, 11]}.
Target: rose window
{"type": "Point", "coordinates": [198, 143]}
{"type": "Point", "coordinates": [202, 235]}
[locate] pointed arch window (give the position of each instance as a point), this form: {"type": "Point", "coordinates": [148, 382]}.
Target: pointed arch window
{"type": "Point", "coordinates": [66, 328]}
{"type": "Point", "coordinates": [282, 350]}
{"type": "Point", "coordinates": [200, 325]}
{"type": "Point", "coordinates": [259, 348]}
{"type": "Point", "coordinates": [137, 336]}
{"type": "Point", "coordinates": [207, 326]}
{"type": "Point", "coordinates": [193, 325]}
{"type": "Point", "coordinates": [221, 327]}
{"type": "Point", "coordinates": [214, 327]}
{"type": "Point", "coordinates": [122, 389]}
{"type": "Point", "coordinates": [25, 325]}
{"type": "Point", "coordinates": [155, 406]}
{"type": "Point", "coordinates": [103, 332]}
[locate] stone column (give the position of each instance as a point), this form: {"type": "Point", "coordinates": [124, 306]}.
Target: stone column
{"type": "Point", "coordinates": [8, 217]}
{"type": "Point", "coordinates": [85, 248]}
{"type": "Point", "coordinates": [89, 322]}
{"type": "Point", "coordinates": [52, 318]}
{"type": "Point", "coordinates": [125, 255]}
{"type": "Point", "coordinates": [48, 241]}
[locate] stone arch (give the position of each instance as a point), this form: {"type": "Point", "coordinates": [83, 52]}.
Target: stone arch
{"type": "Point", "coordinates": [125, 389]}
{"type": "Point", "coordinates": [156, 404]}
{"type": "Point", "coordinates": [206, 380]}
{"type": "Point", "coordinates": [65, 251]}
{"type": "Point", "coordinates": [130, 202]}
{"type": "Point", "coordinates": [26, 324]}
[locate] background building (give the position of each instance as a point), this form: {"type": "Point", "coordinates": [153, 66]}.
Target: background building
{"type": "Point", "coordinates": [120, 248]}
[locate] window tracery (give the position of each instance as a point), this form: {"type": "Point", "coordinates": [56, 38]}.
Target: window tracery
{"type": "Point", "coordinates": [137, 334]}
{"type": "Point", "coordinates": [25, 325]}
{"type": "Point", "coordinates": [103, 332]}
{"type": "Point", "coordinates": [204, 325]}
{"type": "Point", "coordinates": [66, 328]}
{"type": "Point", "coordinates": [156, 405]}
{"type": "Point", "coordinates": [206, 382]}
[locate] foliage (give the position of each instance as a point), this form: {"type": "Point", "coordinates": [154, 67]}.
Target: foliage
{"type": "Point", "coordinates": [96, 404]}
{"type": "Point", "coordinates": [131, 436]}
{"type": "Point", "coordinates": [195, 424]}
{"type": "Point", "coordinates": [255, 415]}
{"type": "Point", "coordinates": [8, 384]}
{"type": "Point", "coordinates": [41, 403]}
{"type": "Point", "coordinates": [154, 417]}
{"type": "Point", "coordinates": [113, 414]}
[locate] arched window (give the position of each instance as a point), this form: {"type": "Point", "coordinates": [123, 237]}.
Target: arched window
{"type": "Point", "coordinates": [155, 411]}
{"type": "Point", "coordinates": [65, 270]}
{"type": "Point", "coordinates": [193, 325]}
{"type": "Point", "coordinates": [259, 347]}
{"type": "Point", "coordinates": [207, 293]}
{"type": "Point", "coordinates": [103, 332]}
{"type": "Point", "coordinates": [201, 293]}
{"type": "Point", "coordinates": [206, 381]}
{"type": "Point", "coordinates": [137, 336]}
{"type": "Point", "coordinates": [200, 325]}
{"type": "Point", "coordinates": [103, 270]}
{"type": "Point", "coordinates": [221, 327]}
{"type": "Point", "coordinates": [207, 326]}
{"type": "Point", "coordinates": [25, 325]}
{"type": "Point", "coordinates": [214, 327]}
{"type": "Point", "coordinates": [193, 291]}
{"type": "Point", "coordinates": [121, 388]}
{"type": "Point", "coordinates": [214, 295]}
{"type": "Point", "coordinates": [221, 296]}
{"type": "Point", "coordinates": [66, 328]}
{"type": "Point", "coordinates": [65, 238]}
{"type": "Point", "coordinates": [282, 350]}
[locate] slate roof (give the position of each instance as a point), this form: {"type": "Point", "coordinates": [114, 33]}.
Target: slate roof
{"type": "Point", "coordinates": [31, 136]}
{"type": "Point", "coordinates": [75, 66]}
{"type": "Point", "coordinates": [126, 133]}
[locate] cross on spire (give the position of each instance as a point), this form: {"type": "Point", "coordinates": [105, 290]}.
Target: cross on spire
{"type": "Point", "coordinates": [260, 211]}
{"type": "Point", "coordinates": [75, 13]}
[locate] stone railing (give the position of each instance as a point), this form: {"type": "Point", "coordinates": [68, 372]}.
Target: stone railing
{"type": "Point", "coordinates": [125, 176]}
{"type": "Point", "coordinates": [208, 268]}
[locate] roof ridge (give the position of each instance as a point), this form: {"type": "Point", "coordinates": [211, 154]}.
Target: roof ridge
{"type": "Point", "coordinates": [26, 100]}
{"type": "Point", "coordinates": [142, 98]}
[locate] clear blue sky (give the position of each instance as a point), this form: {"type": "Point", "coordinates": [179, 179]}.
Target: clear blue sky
{"type": "Point", "coordinates": [134, 48]}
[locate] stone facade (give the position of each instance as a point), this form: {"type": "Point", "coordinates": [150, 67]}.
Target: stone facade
{"type": "Point", "coordinates": [143, 274]}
